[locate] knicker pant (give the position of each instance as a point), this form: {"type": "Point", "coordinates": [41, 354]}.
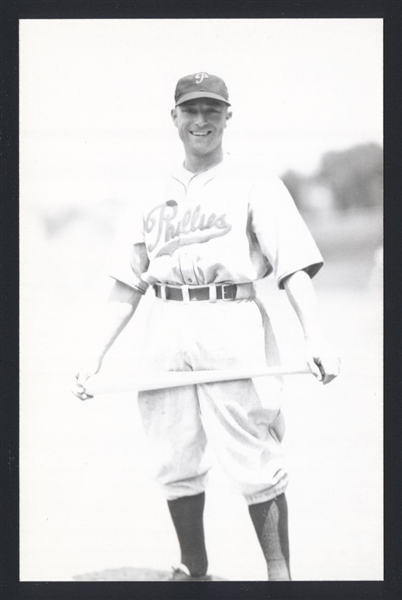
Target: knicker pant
{"type": "Point", "coordinates": [241, 420]}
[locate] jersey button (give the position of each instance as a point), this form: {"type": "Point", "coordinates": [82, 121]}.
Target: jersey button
{"type": "Point", "coordinates": [189, 280]}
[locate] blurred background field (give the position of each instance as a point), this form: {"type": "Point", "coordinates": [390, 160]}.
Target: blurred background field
{"type": "Point", "coordinates": [95, 124]}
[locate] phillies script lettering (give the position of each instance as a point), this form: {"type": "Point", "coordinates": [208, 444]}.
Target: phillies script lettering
{"type": "Point", "coordinates": [162, 222]}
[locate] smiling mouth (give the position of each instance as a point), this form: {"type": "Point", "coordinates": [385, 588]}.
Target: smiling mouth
{"type": "Point", "coordinates": [200, 133]}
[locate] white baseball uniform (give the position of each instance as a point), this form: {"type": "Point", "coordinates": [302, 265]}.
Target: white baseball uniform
{"type": "Point", "coordinates": [217, 227]}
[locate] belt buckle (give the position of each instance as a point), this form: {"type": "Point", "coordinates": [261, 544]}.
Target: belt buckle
{"type": "Point", "coordinates": [185, 293]}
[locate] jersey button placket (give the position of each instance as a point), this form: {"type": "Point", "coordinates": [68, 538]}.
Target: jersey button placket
{"type": "Point", "coordinates": [186, 266]}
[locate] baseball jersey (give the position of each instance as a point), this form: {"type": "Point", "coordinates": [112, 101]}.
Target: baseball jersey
{"type": "Point", "coordinates": [219, 226]}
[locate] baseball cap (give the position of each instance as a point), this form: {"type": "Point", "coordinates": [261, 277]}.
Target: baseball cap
{"type": "Point", "coordinates": [201, 85]}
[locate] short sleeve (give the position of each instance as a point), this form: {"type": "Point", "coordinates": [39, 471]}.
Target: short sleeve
{"type": "Point", "coordinates": [282, 234]}
{"type": "Point", "coordinates": [128, 258]}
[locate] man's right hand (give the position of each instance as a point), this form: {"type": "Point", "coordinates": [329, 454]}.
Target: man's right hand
{"type": "Point", "coordinates": [121, 305]}
{"type": "Point", "coordinates": [91, 368]}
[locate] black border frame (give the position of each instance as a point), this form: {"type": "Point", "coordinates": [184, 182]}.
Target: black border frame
{"type": "Point", "coordinates": [391, 13]}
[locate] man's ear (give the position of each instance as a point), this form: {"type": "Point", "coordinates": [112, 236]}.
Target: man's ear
{"type": "Point", "coordinates": [173, 114]}
{"type": "Point", "coordinates": [228, 115]}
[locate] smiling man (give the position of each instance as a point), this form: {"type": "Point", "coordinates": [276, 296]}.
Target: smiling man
{"type": "Point", "coordinates": [201, 240]}
{"type": "Point", "coordinates": [201, 117]}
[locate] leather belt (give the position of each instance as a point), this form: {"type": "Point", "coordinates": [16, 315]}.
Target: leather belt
{"type": "Point", "coordinates": [223, 292]}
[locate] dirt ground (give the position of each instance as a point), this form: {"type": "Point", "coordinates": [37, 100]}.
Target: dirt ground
{"type": "Point", "coordinates": [88, 508]}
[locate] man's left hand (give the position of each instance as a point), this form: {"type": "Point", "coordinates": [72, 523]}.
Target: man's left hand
{"type": "Point", "coordinates": [324, 363]}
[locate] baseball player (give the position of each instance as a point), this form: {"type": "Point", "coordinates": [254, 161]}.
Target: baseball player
{"type": "Point", "coordinates": [201, 239]}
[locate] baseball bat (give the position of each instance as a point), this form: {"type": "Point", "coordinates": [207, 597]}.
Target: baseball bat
{"type": "Point", "coordinates": [169, 379]}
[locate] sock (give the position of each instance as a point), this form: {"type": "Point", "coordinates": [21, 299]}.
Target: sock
{"type": "Point", "coordinates": [187, 515]}
{"type": "Point", "coordinates": [270, 520]}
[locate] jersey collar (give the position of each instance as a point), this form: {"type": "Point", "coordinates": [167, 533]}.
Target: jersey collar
{"type": "Point", "coordinates": [185, 176]}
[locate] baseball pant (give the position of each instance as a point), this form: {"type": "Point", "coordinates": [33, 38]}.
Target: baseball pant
{"type": "Point", "coordinates": [241, 420]}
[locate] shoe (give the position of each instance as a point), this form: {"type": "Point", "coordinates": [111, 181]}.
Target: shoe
{"type": "Point", "coordinates": [181, 573]}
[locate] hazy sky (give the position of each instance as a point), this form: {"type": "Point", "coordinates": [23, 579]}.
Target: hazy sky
{"type": "Point", "coordinates": [96, 94]}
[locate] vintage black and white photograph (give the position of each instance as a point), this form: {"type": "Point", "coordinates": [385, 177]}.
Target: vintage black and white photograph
{"type": "Point", "coordinates": [201, 279]}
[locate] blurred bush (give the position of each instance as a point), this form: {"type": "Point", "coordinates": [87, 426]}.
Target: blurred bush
{"type": "Point", "coordinates": [345, 180]}
{"type": "Point", "coordinates": [342, 204]}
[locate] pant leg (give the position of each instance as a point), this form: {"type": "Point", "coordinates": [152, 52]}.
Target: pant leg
{"type": "Point", "coordinates": [171, 417]}
{"type": "Point", "coordinates": [242, 419]}
{"type": "Point", "coordinates": [245, 439]}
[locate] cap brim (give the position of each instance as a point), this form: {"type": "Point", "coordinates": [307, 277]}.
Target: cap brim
{"type": "Point", "coordinates": [195, 95]}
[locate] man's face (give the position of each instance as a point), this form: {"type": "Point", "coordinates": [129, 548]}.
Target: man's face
{"type": "Point", "coordinates": [201, 124]}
